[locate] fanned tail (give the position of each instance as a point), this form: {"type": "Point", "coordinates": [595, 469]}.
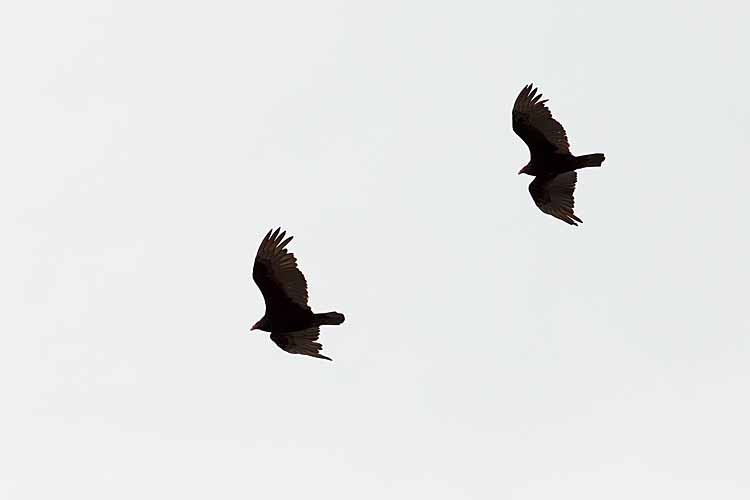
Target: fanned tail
{"type": "Point", "coordinates": [593, 160]}
{"type": "Point", "coordinates": [329, 318]}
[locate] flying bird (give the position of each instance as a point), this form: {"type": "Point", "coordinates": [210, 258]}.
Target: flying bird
{"type": "Point", "coordinates": [551, 161]}
{"type": "Point", "coordinates": [291, 322]}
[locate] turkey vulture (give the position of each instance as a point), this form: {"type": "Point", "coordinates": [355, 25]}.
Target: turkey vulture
{"type": "Point", "coordinates": [293, 326]}
{"type": "Point", "coordinates": [551, 162]}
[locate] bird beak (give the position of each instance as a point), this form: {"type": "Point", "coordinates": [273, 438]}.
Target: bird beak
{"type": "Point", "coordinates": [254, 327]}
{"type": "Point", "coordinates": [522, 171]}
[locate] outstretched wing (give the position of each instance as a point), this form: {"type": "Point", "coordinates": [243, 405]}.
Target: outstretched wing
{"type": "Point", "coordinates": [533, 123]}
{"type": "Point", "coordinates": [276, 274]}
{"type": "Point", "coordinates": [554, 196]}
{"type": "Point", "coordinates": [301, 342]}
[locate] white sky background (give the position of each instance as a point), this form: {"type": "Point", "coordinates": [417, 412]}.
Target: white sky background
{"type": "Point", "coordinates": [489, 350]}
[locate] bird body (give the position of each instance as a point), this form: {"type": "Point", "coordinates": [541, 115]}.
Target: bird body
{"type": "Point", "coordinates": [292, 320]}
{"type": "Point", "coordinates": [551, 161]}
{"type": "Point", "coordinates": [292, 324]}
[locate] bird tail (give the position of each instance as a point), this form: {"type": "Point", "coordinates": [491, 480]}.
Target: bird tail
{"type": "Point", "coordinates": [329, 318]}
{"type": "Point", "coordinates": [594, 160]}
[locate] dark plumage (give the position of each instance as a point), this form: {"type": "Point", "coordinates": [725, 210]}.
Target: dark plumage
{"type": "Point", "coordinates": [551, 162]}
{"type": "Point", "coordinates": [291, 322]}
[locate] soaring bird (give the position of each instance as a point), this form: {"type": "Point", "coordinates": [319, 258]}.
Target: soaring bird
{"type": "Point", "coordinates": [551, 161]}
{"type": "Point", "coordinates": [291, 322]}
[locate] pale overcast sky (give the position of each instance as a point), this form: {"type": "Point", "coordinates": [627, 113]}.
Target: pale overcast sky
{"type": "Point", "coordinates": [489, 351]}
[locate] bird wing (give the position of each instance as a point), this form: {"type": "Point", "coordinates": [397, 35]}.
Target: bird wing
{"type": "Point", "coordinates": [533, 123]}
{"type": "Point", "coordinates": [276, 274]}
{"type": "Point", "coordinates": [301, 342]}
{"type": "Point", "coordinates": [554, 195]}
